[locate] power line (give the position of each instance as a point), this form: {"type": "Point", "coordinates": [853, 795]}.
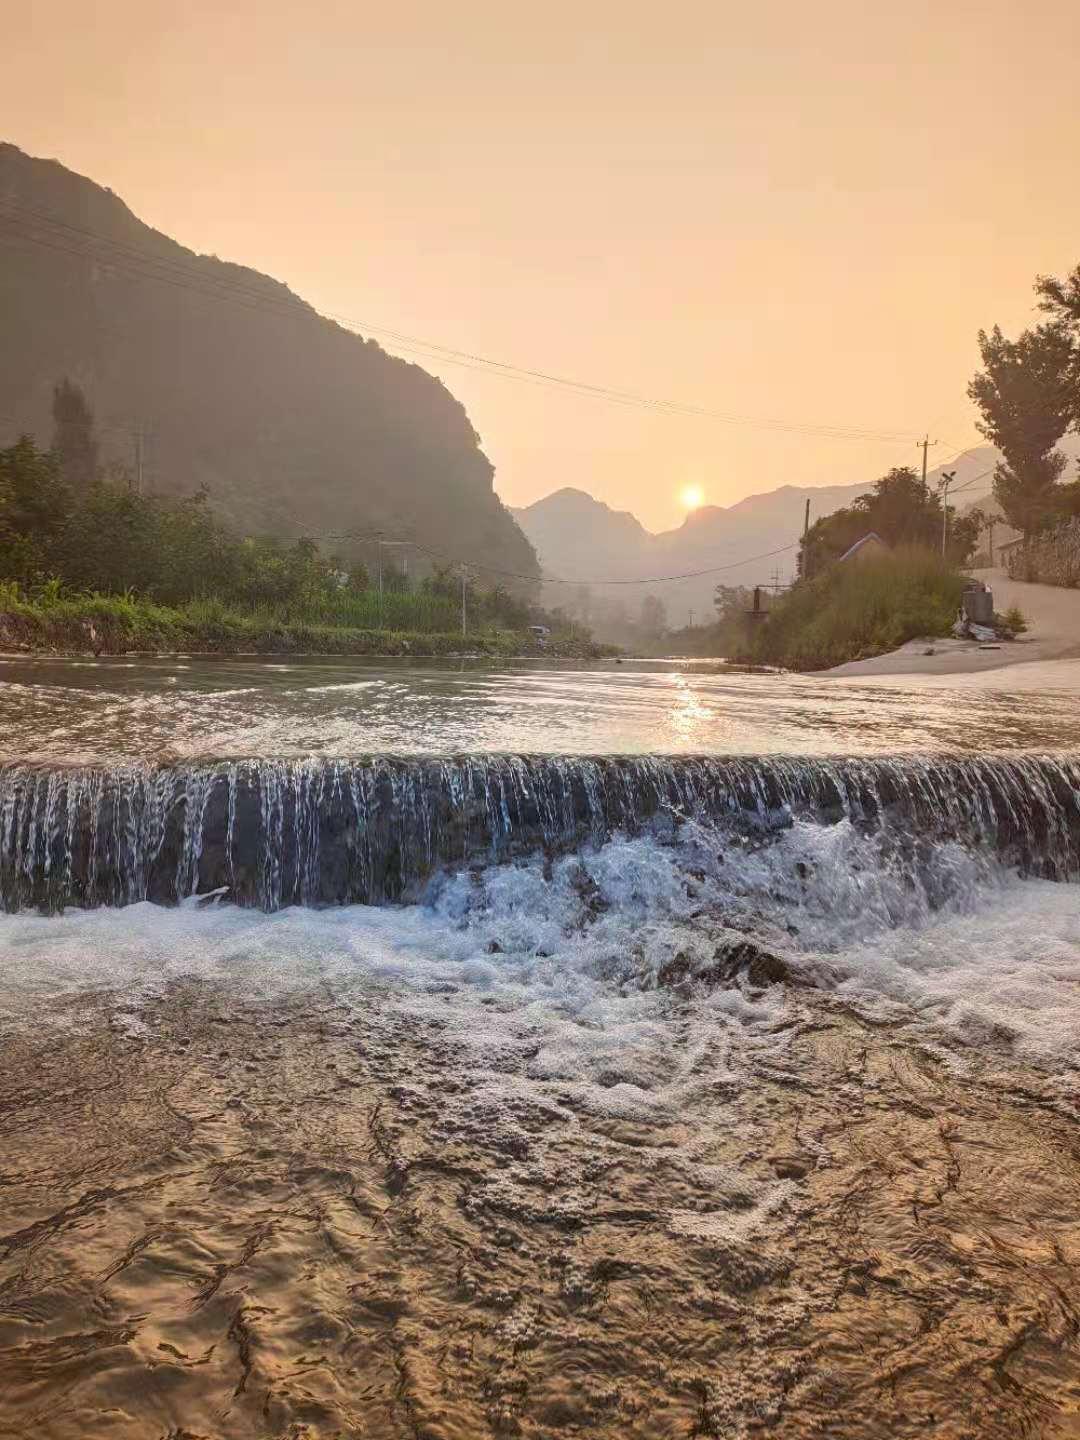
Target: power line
{"type": "Point", "coordinates": [375, 538]}
{"type": "Point", "coordinates": [130, 260]}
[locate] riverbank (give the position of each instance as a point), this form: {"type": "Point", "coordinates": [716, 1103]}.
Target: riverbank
{"type": "Point", "coordinates": [1052, 614]}
{"type": "Point", "coordinates": [116, 627]}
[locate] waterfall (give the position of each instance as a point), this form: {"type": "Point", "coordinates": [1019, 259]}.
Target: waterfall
{"type": "Point", "coordinates": [333, 832]}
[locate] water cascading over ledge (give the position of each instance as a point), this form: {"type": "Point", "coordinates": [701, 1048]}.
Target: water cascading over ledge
{"type": "Point", "coordinates": [333, 832]}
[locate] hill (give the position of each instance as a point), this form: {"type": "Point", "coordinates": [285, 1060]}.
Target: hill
{"type": "Point", "coordinates": [228, 380]}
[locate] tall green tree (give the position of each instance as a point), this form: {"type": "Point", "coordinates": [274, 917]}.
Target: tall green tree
{"type": "Point", "coordinates": [74, 443]}
{"type": "Point", "coordinates": [1026, 395]}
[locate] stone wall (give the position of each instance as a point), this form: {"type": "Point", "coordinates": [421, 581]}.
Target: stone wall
{"type": "Point", "coordinates": [1052, 558]}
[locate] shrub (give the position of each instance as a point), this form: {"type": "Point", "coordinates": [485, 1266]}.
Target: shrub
{"type": "Point", "coordinates": [860, 607]}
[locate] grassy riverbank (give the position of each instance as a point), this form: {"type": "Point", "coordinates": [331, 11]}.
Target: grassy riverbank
{"type": "Point", "coordinates": [117, 625]}
{"type": "Point", "coordinates": [860, 608]}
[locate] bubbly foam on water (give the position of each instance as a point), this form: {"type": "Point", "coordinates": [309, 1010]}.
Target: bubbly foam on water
{"type": "Point", "coordinates": [567, 959]}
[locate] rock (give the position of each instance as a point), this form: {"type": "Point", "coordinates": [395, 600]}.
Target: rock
{"type": "Point", "coordinates": [732, 961]}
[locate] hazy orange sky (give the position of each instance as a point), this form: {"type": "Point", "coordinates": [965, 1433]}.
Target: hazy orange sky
{"type": "Point", "coordinates": [780, 210]}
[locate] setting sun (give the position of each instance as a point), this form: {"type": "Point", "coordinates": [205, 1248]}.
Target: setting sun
{"type": "Point", "coordinates": [691, 497]}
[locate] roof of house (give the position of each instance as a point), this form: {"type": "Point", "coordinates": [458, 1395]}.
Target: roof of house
{"type": "Point", "coordinates": [872, 538]}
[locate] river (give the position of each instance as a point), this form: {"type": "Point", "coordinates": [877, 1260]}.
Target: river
{"type": "Point", "coordinates": [421, 1050]}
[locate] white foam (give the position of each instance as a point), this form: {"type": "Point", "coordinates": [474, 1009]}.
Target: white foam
{"type": "Point", "coordinates": [561, 965]}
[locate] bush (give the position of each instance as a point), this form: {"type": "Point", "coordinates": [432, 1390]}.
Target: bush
{"type": "Point", "coordinates": [1014, 620]}
{"type": "Point", "coordinates": [860, 607]}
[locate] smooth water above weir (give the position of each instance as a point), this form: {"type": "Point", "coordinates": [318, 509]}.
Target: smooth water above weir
{"type": "Point", "coordinates": [314, 832]}
{"type": "Point", "coordinates": [145, 710]}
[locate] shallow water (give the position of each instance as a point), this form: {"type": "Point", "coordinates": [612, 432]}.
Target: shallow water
{"type": "Point", "coordinates": [687, 1098]}
{"type": "Point", "coordinates": [115, 710]}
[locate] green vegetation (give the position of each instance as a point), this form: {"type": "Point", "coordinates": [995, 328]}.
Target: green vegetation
{"type": "Point", "coordinates": [860, 608]}
{"type": "Point", "coordinates": [87, 563]}
{"type": "Point", "coordinates": [1014, 620]}
{"type": "Point", "coordinates": [118, 624]}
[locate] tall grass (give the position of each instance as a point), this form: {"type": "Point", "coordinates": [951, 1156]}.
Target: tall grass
{"type": "Point", "coordinates": [411, 624]}
{"type": "Point", "coordinates": [862, 607]}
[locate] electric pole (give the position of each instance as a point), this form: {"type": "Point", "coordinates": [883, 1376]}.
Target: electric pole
{"type": "Point", "coordinates": [378, 552]}
{"type": "Point", "coordinates": [924, 446]}
{"type": "Point", "coordinates": [138, 438]}
{"type": "Point", "coordinates": [990, 531]}
{"type": "Point", "coordinates": [947, 477]}
{"type": "Point", "coordinates": [464, 577]}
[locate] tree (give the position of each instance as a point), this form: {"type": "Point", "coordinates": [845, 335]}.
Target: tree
{"type": "Point", "coordinates": [34, 508]}
{"type": "Point", "coordinates": [1061, 299]}
{"type": "Point", "coordinates": [73, 437]}
{"type": "Point", "coordinates": [732, 602]}
{"type": "Point", "coordinates": [653, 616]}
{"type": "Point", "coordinates": [1026, 395]}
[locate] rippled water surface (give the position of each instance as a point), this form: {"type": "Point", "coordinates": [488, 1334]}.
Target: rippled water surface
{"type": "Point", "coordinates": [139, 709]}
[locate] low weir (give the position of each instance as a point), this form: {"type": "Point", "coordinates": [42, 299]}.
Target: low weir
{"type": "Point", "coordinates": [333, 832]}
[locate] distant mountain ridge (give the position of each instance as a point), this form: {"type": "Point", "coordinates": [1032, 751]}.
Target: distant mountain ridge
{"type": "Point", "coordinates": [229, 381]}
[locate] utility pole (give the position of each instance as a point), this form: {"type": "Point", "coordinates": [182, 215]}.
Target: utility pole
{"type": "Point", "coordinates": [806, 521]}
{"type": "Point", "coordinates": [138, 438]}
{"type": "Point", "coordinates": [804, 568]}
{"type": "Point", "coordinates": [464, 577]}
{"type": "Point", "coordinates": [691, 617]}
{"type": "Point", "coordinates": [924, 446]}
{"type": "Point", "coordinates": [990, 531]}
{"type": "Point", "coordinates": [378, 551]}
{"type": "Point", "coordinates": [947, 477]}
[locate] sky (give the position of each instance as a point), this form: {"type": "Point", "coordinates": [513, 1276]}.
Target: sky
{"type": "Point", "coordinates": [794, 215]}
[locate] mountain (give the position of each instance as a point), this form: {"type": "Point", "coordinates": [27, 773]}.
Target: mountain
{"type": "Point", "coordinates": [205, 373]}
{"type": "Point", "coordinates": [578, 538]}
{"type": "Point", "coordinates": [583, 536]}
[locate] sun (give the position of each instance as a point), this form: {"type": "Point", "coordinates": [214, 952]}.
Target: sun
{"type": "Point", "coordinates": [691, 497]}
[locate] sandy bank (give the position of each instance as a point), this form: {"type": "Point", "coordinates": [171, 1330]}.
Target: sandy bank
{"type": "Point", "coordinates": [1053, 616]}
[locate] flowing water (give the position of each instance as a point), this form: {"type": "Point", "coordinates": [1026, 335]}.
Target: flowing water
{"type": "Point", "coordinates": [640, 1050]}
